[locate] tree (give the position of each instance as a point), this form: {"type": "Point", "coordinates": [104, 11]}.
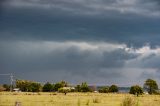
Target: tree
{"type": "Point", "coordinates": [7, 87]}
{"type": "Point", "coordinates": [60, 85]}
{"type": "Point", "coordinates": [136, 90]}
{"type": "Point", "coordinates": [28, 86]}
{"type": "Point", "coordinates": [35, 87]}
{"type": "Point", "coordinates": [64, 90]}
{"type": "Point", "coordinates": [64, 83]}
{"type": "Point", "coordinates": [84, 87]}
{"type": "Point", "coordinates": [47, 87]}
{"type": "Point", "coordinates": [104, 89]}
{"type": "Point", "coordinates": [151, 86]}
{"type": "Point", "coordinates": [2, 88]}
{"type": "Point", "coordinates": [78, 88]}
{"type": "Point", "coordinates": [57, 86]}
{"type": "Point", "coordinates": [113, 88]}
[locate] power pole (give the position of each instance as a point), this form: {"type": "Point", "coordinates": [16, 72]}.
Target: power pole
{"type": "Point", "coordinates": [11, 80]}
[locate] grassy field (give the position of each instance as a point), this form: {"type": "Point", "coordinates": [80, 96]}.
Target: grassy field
{"type": "Point", "coordinates": [75, 99]}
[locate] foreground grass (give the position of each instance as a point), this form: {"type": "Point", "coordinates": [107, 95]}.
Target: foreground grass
{"type": "Point", "coordinates": [75, 99]}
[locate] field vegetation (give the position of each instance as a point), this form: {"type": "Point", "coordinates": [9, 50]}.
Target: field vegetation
{"type": "Point", "coordinates": [76, 99]}
{"type": "Point", "coordinates": [62, 94]}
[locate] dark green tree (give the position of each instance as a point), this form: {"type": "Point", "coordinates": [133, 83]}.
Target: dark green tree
{"type": "Point", "coordinates": [151, 86]}
{"type": "Point", "coordinates": [78, 88]}
{"type": "Point", "coordinates": [136, 90]}
{"type": "Point", "coordinates": [104, 89]}
{"type": "Point", "coordinates": [35, 87]}
{"type": "Point", "coordinates": [48, 87]}
{"type": "Point", "coordinates": [60, 85]}
{"type": "Point", "coordinates": [57, 86]}
{"type": "Point", "coordinates": [63, 83]}
{"type": "Point", "coordinates": [84, 87]}
{"type": "Point", "coordinates": [7, 87]}
{"type": "Point", "coordinates": [113, 88]}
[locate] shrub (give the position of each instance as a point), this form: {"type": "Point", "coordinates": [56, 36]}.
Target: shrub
{"type": "Point", "coordinates": [64, 90]}
{"type": "Point", "coordinates": [79, 102]}
{"type": "Point", "coordinates": [87, 103]}
{"type": "Point", "coordinates": [128, 101]}
{"type": "Point", "coordinates": [96, 100]}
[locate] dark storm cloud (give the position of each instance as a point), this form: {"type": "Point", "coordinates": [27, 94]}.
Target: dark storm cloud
{"type": "Point", "coordinates": [64, 39]}
{"type": "Point", "coordinates": [90, 6]}
{"type": "Point", "coordinates": [71, 57]}
{"type": "Point", "coordinates": [29, 20]}
{"type": "Point", "coordinates": [74, 59]}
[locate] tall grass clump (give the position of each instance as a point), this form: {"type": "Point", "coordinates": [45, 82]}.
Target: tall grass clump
{"type": "Point", "coordinates": [128, 101]}
{"type": "Point", "coordinates": [87, 103]}
{"type": "Point", "coordinates": [96, 100]}
{"type": "Point", "coordinates": [79, 102]}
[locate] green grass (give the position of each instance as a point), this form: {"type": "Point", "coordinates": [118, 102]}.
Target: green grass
{"type": "Point", "coordinates": [76, 99]}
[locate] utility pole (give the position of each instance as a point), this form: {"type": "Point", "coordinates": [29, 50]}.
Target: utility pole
{"type": "Point", "coordinates": [11, 80]}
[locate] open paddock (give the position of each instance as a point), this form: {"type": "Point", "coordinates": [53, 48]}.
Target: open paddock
{"type": "Point", "coordinates": [74, 99]}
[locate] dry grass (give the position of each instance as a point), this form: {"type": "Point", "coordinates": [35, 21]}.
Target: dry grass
{"type": "Point", "coordinates": [74, 99]}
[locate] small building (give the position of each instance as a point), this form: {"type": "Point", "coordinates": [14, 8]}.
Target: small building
{"type": "Point", "coordinates": [69, 88]}
{"type": "Point", "coordinates": [16, 90]}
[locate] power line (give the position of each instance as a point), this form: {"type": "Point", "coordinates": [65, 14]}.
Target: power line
{"type": "Point", "coordinates": [11, 80]}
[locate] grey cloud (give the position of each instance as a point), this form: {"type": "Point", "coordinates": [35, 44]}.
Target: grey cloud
{"type": "Point", "coordinates": [101, 62]}
{"type": "Point", "coordinates": [71, 60]}
{"type": "Point", "coordinates": [124, 23]}
{"type": "Point", "coordinates": [140, 7]}
{"type": "Point", "coordinates": [153, 61]}
{"type": "Point", "coordinates": [55, 25]}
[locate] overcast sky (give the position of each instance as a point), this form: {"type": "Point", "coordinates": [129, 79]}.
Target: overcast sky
{"type": "Point", "coordinates": [102, 42]}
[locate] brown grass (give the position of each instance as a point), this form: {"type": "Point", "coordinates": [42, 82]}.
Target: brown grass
{"type": "Point", "coordinates": [75, 99]}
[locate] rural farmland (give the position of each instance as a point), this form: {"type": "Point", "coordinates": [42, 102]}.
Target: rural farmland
{"type": "Point", "coordinates": [79, 52]}
{"type": "Point", "coordinates": [76, 99]}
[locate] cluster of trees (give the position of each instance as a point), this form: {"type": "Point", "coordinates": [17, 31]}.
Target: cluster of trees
{"type": "Point", "coordinates": [31, 86]}
{"type": "Point", "coordinates": [28, 86]}
{"type": "Point", "coordinates": [48, 87]}
{"type": "Point", "coordinates": [83, 88]}
{"type": "Point", "coordinates": [150, 86]}
{"type": "Point", "coordinates": [107, 89]}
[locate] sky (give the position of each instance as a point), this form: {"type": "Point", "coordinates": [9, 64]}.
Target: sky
{"type": "Point", "coordinates": [102, 42]}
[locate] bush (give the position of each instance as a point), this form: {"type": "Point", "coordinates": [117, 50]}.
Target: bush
{"type": "Point", "coordinates": [128, 101]}
{"type": "Point", "coordinates": [64, 90]}
{"type": "Point", "coordinates": [96, 100]}
{"type": "Point", "coordinates": [136, 90]}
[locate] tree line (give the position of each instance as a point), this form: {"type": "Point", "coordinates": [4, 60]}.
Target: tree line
{"type": "Point", "coordinates": [150, 86]}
